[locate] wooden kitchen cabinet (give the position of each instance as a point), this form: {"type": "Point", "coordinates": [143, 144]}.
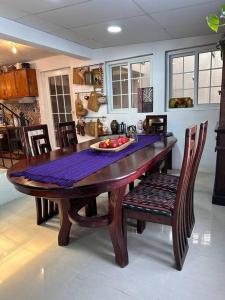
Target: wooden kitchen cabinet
{"type": "Point", "coordinates": [18, 84]}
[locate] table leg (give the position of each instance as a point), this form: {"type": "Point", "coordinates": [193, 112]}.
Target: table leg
{"type": "Point", "coordinates": [65, 224]}
{"type": "Point", "coordinates": [116, 226]}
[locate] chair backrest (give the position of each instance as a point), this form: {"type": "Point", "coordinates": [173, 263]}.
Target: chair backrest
{"type": "Point", "coordinates": [156, 124]}
{"type": "Point", "coordinates": [198, 153]}
{"type": "Point", "coordinates": [186, 169]}
{"type": "Point", "coordinates": [67, 135]}
{"type": "Point", "coordinates": [36, 140]}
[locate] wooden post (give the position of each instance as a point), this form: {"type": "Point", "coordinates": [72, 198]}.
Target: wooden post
{"type": "Point", "coordinates": [219, 184]}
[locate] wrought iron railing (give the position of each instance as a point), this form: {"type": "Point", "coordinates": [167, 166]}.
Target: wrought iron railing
{"type": "Point", "coordinates": [11, 149]}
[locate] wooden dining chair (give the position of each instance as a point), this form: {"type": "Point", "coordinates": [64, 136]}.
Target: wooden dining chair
{"type": "Point", "coordinates": [163, 206]}
{"type": "Point", "coordinates": [67, 135]}
{"type": "Point", "coordinates": [170, 182]}
{"type": "Point", "coordinates": [36, 142]}
{"type": "Point", "coordinates": [156, 124]}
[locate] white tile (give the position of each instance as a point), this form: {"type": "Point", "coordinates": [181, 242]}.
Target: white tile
{"type": "Point", "coordinates": [92, 12]}
{"type": "Point", "coordinates": [138, 29]}
{"type": "Point", "coordinates": [86, 268]}
{"type": "Point", "coordinates": [34, 6]}
{"type": "Point", "coordinates": [186, 16]}
{"type": "Point", "coordinates": [162, 5]}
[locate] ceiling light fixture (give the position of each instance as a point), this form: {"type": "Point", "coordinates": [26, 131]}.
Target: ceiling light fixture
{"type": "Point", "coordinates": [14, 49]}
{"type": "Point", "coordinates": [114, 29]}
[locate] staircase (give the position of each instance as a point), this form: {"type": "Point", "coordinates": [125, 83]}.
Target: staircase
{"type": "Point", "coordinates": [11, 150]}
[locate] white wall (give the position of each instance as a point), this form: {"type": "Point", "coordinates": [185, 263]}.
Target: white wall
{"type": "Point", "coordinates": [177, 120]}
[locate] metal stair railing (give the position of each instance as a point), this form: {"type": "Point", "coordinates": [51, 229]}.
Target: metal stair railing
{"type": "Point", "coordinates": [11, 149]}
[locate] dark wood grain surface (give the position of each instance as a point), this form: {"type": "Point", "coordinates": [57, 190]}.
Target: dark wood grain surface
{"type": "Point", "coordinates": [117, 174]}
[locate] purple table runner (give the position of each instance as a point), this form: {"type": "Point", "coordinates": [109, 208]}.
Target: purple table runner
{"type": "Point", "coordinates": [67, 170]}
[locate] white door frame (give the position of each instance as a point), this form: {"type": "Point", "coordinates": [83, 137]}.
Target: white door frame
{"type": "Point", "coordinates": [47, 109]}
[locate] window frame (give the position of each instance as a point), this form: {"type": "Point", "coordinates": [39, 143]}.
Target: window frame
{"type": "Point", "coordinates": [186, 52]}
{"type": "Point", "coordinates": [128, 62]}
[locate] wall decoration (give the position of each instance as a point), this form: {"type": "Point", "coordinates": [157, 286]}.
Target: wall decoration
{"type": "Point", "coordinates": [181, 102]}
{"type": "Point", "coordinates": [78, 76]}
{"type": "Point", "coordinates": [145, 99]}
{"type": "Point", "coordinates": [97, 75]}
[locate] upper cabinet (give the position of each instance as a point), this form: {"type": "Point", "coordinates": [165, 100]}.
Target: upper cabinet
{"type": "Point", "coordinates": [18, 84]}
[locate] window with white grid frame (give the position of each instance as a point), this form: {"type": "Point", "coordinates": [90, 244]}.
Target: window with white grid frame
{"type": "Point", "coordinates": [196, 74]}
{"type": "Point", "coordinates": [209, 77]}
{"type": "Point", "coordinates": [124, 80]}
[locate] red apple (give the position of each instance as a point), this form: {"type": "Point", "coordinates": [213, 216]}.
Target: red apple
{"type": "Point", "coordinates": [103, 145]}
{"type": "Point", "coordinates": [113, 144]}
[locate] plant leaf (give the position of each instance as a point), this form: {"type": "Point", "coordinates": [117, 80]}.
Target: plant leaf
{"type": "Point", "coordinates": [213, 22]}
{"type": "Point", "coordinates": [223, 9]}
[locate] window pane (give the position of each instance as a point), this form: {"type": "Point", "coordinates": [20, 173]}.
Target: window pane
{"type": "Point", "coordinates": [189, 80]}
{"type": "Point", "coordinates": [135, 70]}
{"type": "Point", "coordinates": [56, 120]}
{"type": "Point", "coordinates": [135, 85]}
{"type": "Point", "coordinates": [61, 104]}
{"type": "Point", "coordinates": [116, 102]}
{"type": "Point", "coordinates": [145, 82]}
{"type": "Point", "coordinates": [145, 69]}
{"type": "Point", "coordinates": [51, 81]}
{"type": "Point", "coordinates": [189, 93]}
{"type": "Point", "coordinates": [115, 73]}
{"type": "Point", "coordinates": [215, 97]}
{"type": "Point", "coordinates": [124, 101]}
{"type": "Point", "coordinates": [62, 117]}
{"type": "Point", "coordinates": [204, 79]}
{"type": "Point", "coordinates": [216, 78]}
{"type": "Point", "coordinates": [203, 96]}
{"type": "Point", "coordinates": [58, 81]}
{"type": "Point", "coordinates": [216, 59]}
{"type": "Point", "coordinates": [177, 81]}
{"type": "Point", "coordinates": [69, 118]}
{"type": "Point", "coordinates": [204, 60]}
{"type": "Point", "coordinates": [124, 72]}
{"type": "Point", "coordinates": [189, 63]}
{"type": "Point", "coordinates": [177, 93]}
{"type": "Point", "coordinates": [67, 103]}
{"type": "Point", "coordinates": [177, 65]}
{"type": "Point", "coordinates": [134, 100]}
{"type": "Point", "coordinates": [54, 104]}
{"type": "Point", "coordinates": [124, 86]}
{"type": "Point", "coordinates": [66, 85]}
{"type": "Point", "coordinates": [116, 88]}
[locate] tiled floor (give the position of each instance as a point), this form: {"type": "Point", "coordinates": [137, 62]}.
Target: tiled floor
{"type": "Point", "coordinates": [32, 266]}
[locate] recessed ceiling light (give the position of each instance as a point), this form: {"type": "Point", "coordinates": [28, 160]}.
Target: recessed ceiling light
{"type": "Point", "coordinates": [114, 29]}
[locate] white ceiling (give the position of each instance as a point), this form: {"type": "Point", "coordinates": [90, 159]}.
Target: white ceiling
{"type": "Point", "coordinates": [86, 21]}
{"type": "Point", "coordinates": [24, 53]}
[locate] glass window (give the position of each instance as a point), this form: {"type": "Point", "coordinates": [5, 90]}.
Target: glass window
{"type": "Point", "coordinates": [209, 77]}
{"type": "Point", "coordinates": [125, 80]}
{"type": "Point", "coordinates": [197, 75]}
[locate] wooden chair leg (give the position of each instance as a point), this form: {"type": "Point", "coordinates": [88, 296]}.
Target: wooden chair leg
{"type": "Point", "coordinates": [91, 208]}
{"type": "Point", "coordinates": [140, 226]}
{"type": "Point", "coordinates": [180, 242]}
{"type": "Point", "coordinates": [45, 208]}
{"type": "Point", "coordinates": [39, 210]}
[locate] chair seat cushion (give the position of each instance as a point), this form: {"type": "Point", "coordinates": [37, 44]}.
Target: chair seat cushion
{"type": "Point", "coordinates": [162, 181]}
{"type": "Point", "coordinates": [149, 199]}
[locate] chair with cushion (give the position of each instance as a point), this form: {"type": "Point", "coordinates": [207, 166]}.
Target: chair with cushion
{"type": "Point", "coordinates": [67, 135]}
{"type": "Point", "coordinates": [170, 182]}
{"type": "Point", "coordinates": [36, 142]}
{"type": "Point", "coordinates": [165, 207]}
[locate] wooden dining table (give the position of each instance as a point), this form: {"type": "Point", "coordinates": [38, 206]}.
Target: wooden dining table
{"type": "Point", "coordinates": [112, 179]}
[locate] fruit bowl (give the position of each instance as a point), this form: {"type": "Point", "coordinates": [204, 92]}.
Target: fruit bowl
{"type": "Point", "coordinates": [112, 145]}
